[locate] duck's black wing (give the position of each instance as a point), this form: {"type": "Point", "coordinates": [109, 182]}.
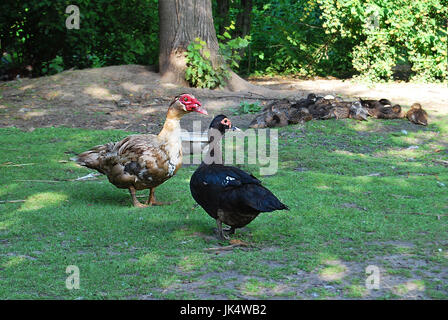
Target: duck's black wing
{"type": "Point", "coordinates": [231, 189]}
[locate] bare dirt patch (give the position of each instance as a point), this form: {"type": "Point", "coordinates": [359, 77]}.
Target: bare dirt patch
{"type": "Point", "coordinates": [401, 277]}
{"type": "Point", "coordinates": [131, 97]}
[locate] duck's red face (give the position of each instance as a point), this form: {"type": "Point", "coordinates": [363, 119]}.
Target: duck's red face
{"type": "Point", "coordinates": [191, 104]}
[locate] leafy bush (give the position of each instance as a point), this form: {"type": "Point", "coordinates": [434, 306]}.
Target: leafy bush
{"type": "Point", "coordinates": [200, 72]}
{"type": "Point", "coordinates": [54, 66]}
{"type": "Point", "coordinates": [231, 49]}
{"type": "Point", "coordinates": [341, 38]}
{"type": "Point", "coordinates": [34, 33]}
{"type": "Point", "coordinates": [390, 34]}
{"type": "Point", "coordinates": [247, 108]}
{"type": "Point", "coordinates": [287, 37]}
{"type": "Point", "coordinates": [377, 40]}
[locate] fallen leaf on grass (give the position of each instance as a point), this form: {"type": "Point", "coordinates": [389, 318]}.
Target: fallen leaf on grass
{"type": "Point", "coordinates": [237, 242]}
{"type": "Point", "coordinates": [233, 244]}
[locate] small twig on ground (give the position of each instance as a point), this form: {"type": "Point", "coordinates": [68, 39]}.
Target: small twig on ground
{"type": "Point", "coordinates": [15, 165]}
{"type": "Point", "coordinates": [46, 181]}
{"type": "Point", "coordinates": [86, 177]}
{"type": "Point", "coordinates": [233, 244]}
{"type": "Point", "coordinates": [90, 176]}
{"type": "Point", "coordinates": [442, 162]}
{"type": "Point", "coordinates": [246, 97]}
{"type": "Point", "coordinates": [425, 214]}
{"type": "Point", "coordinates": [224, 248]}
{"type": "Point", "coordinates": [376, 174]}
{"type": "Point", "coordinates": [11, 201]}
{"type": "Point", "coordinates": [256, 94]}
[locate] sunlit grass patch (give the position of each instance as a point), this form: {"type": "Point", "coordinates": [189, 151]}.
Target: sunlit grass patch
{"type": "Point", "coordinates": [42, 200]}
{"type": "Point", "coordinates": [14, 261]}
{"type": "Point", "coordinates": [405, 288]}
{"type": "Point", "coordinates": [334, 270]}
{"type": "Point", "coordinates": [356, 291]}
{"type": "Point", "coordinates": [192, 262]}
{"type": "Point", "coordinates": [254, 287]}
{"type": "Point", "coordinates": [352, 199]}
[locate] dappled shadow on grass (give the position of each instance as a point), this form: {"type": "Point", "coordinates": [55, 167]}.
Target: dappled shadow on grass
{"type": "Point", "coordinates": [331, 144]}
{"type": "Point", "coordinates": [159, 250]}
{"type": "Point", "coordinates": [336, 210]}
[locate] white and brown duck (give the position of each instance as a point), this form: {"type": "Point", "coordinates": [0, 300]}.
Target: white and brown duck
{"type": "Point", "coordinates": [144, 161]}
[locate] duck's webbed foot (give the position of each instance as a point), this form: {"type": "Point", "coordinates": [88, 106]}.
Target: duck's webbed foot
{"type": "Point", "coordinates": [223, 234]}
{"type": "Point", "coordinates": [135, 201]}
{"type": "Point", "coordinates": [153, 202]}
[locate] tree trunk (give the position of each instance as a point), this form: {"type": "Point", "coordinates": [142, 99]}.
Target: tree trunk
{"type": "Point", "coordinates": [181, 21]}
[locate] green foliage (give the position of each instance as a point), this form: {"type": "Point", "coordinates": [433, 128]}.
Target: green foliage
{"type": "Point", "coordinates": [376, 40]}
{"type": "Point", "coordinates": [390, 34]}
{"type": "Point", "coordinates": [231, 49]}
{"type": "Point", "coordinates": [111, 32]}
{"type": "Point", "coordinates": [287, 37]}
{"type": "Point", "coordinates": [341, 38]}
{"type": "Point", "coordinates": [125, 252]}
{"type": "Point", "coordinates": [200, 72]}
{"type": "Point", "coordinates": [247, 108]}
{"type": "Point", "coordinates": [54, 66]}
{"type": "Point", "coordinates": [96, 62]}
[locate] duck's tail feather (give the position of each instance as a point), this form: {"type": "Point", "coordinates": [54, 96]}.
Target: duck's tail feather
{"type": "Point", "coordinates": [95, 157]}
{"type": "Point", "coordinates": [263, 200]}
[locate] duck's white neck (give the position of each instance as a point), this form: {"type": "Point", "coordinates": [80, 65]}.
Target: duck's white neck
{"type": "Point", "coordinates": [171, 130]}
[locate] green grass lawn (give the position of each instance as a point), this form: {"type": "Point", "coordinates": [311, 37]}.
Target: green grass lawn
{"type": "Point", "coordinates": [358, 195]}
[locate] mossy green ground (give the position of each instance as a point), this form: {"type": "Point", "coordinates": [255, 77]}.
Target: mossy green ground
{"type": "Point", "coordinates": [358, 195]}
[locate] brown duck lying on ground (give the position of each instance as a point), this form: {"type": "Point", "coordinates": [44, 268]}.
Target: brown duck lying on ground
{"type": "Point", "coordinates": [374, 104]}
{"type": "Point", "coordinates": [382, 109]}
{"type": "Point", "coordinates": [335, 108]}
{"type": "Point", "coordinates": [305, 103]}
{"type": "Point", "coordinates": [417, 115]}
{"type": "Point", "coordinates": [144, 161]}
{"type": "Point", "coordinates": [358, 112]}
{"type": "Point", "coordinates": [321, 108]}
{"type": "Point", "coordinates": [280, 114]}
{"type": "Point", "coordinates": [390, 112]}
{"type": "Point", "coordinates": [299, 115]}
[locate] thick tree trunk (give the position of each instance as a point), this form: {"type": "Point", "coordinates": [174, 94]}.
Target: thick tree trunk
{"type": "Point", "coordinates": [181, 21]}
